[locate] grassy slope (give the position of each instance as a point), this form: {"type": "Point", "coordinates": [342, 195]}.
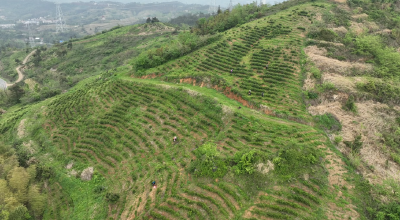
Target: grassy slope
{"type": "Point", "coordinates": [93, 54]}
{"type": "Point", "coordinates": [123, 127]}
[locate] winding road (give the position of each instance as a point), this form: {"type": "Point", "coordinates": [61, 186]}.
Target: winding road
{"type": "Point", "coordinates": [4, 84]}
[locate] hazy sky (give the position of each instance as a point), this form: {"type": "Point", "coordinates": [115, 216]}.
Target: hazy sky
{"type": "Point", "coordinates": [223, 3]}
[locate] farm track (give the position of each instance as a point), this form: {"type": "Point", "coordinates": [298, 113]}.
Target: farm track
{"type": "Point", "coordinates": [20, 73]}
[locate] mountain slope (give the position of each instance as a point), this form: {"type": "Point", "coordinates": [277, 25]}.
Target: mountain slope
{"type": "Point", "coordinates": [237, 155]}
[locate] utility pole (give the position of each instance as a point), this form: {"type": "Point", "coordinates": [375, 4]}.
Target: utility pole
{"type": "Point", "coordinates": [60, 22]}
{"type": "Point", "coordinates": [230, 5]}
{"type": "Point", "coordinates": [31, 39]}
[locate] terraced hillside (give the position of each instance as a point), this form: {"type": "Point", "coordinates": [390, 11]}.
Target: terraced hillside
{"type": "Point", "coordinates": [275, 41]}
{"type": "Point", "coordinates": [238, 155]}
{"type": "Point", "coordinates": [130, 141]}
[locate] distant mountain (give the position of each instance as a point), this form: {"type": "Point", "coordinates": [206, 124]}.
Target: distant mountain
{"type": "Point", "coordinates": [223, 3]}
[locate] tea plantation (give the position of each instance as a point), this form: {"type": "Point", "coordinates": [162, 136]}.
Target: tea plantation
{"type": "Point", "coordinates": [237, 63]}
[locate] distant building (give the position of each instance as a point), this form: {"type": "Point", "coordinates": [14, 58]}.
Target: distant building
{"type": "Point", "coordinates": [7, 26]}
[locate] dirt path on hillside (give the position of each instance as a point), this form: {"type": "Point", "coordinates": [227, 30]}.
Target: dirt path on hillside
{"type": "Point", "coordinates": [20, 74]}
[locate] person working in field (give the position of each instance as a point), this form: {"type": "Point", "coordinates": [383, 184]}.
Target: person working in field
{"type": "Point", "coordinates": [174, 139]}
{"type": "Point", "coordinates": [249, 92]}
{"type": "Point", "coordinates": [266, 67]}
{"type": "Point", "coordinates": [154, 184]}
{"type": "Point", "coordinates": [231, 70]}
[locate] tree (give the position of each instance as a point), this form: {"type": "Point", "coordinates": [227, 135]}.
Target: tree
{"type": "Point", "coordinates": [19, 213]}
{"type": "Point", "coordinates": [36, 200]}
{"type": "Point", "coordinates": [154, 20]}
{"type": "Point", "coordinates": [17, 92]}
{"type": "Point", "coordinates": [18, 180]}
{"type": "Point", "coordinates": [148, 20]}
{"type": "Point", "coordinates": [219, 11]}
{"type": "Point", "coordinates": [69, 45]}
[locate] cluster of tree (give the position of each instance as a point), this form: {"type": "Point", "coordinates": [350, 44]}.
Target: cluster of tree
{"type": "Point", "coordinates": [185, 43]}
{"type": "Point", "coordinates": [152, 20]}
{"type": "Point", "coordinates": [20, 196]}
{"type": "Point", "coordinates": [188, 19]}
{"type": "Point", "coordinates": [225, 20]}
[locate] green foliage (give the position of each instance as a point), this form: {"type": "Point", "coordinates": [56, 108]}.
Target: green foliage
{"type": "Point", "coordinates": [229, 19]}
{"type": "Point", "coordinates": [112, 197]}
{"type": "Point", "coordinates": [208, 162]}
{"type": "Point", "coordinates": [350, 105]}
{"type": "Point", "coordinates": [372, 47]}
{"type": "Point", "coordinates": [390, 211]}
{"type": "Point", "coordinates": [315, 73]}
{"type": "Point", "coordinates": [341, 17]}
{"type": "Point", "coordinates": [381, 91]}
{"type": "Point", "coordinates": [328, 122]}
{"type": "Point", "coordinates": [326, 86]}
{"type": "Point", "coordinates": [323, 34]}
{"type": "Point", "coordinates": [355, 145]}
{"type": "Point", "coordinates": [338, 139]}
{"type": "Point", "coordinates": [186, 43]}
{"type": "Point", "coordinates": [293, 160]}
{"type": "Point", "coordinates": [245, 161]}
{"type": "Point", "coordinates": [312, 95]}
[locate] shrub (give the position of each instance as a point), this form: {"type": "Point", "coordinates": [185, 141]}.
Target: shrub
{"type": "Point", "coordinates": [208, 162]}
{"type": "Point", "coordinates": [328, 122]}
{"type": "Point", "coordinates": [350, 105]}
{"type": "Point", "coordinates": [356, 145]}
{"type": "Point", "coordinates": [338, 139]}
{"type": "Point", "coordinates": [312, 95]}
{"type": "Point", "coordinates": [112, 197]}
{"type": "Point", "coordinates": [315, 73]}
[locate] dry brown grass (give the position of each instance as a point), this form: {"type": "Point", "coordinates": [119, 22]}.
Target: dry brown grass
{"type": "Point", "coordinates": [330, 65]}
{"type": "Point", "coordinates": [309, 82]}
{"type": "Point", "coordinates": [360, 16]}
{"type": "Point", "coordinates": [370, 121]}
{"type": "Point", "coordinates": [340, 30]}
{"type": "Point", "coordinates": [21, 129]}
{"type": "Point", "coordinates": [342, 83]}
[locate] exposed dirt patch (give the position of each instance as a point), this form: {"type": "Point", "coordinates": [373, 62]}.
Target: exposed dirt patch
{"type": "Point", "coordinates": [318, 17]}
{"type": "Point", "coordinates": [150, 76]}
{"type": "Point", "coordinates": [231, 95]}
{"type": "Point", "coordinates": [21, 129]}
{"type": "Point", "coordinates": [265, 168]}
{"type": "Point", "coordinates": [188, 80]}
